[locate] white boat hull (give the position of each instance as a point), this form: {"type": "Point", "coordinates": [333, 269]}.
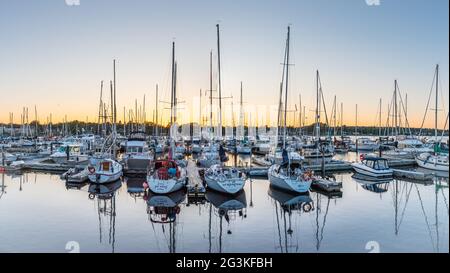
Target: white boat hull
{"type": "Point", "coordinates": [364, 170]}
{"type": "Point", "coordinates": [244, 150]}
{"type": "Point", "coordinates": [63, 158]}
{"type": "Point", "coordinates": [432, 163]}
{"type": "Point", "coordinates": [286, 183]}
{"type": "Point", "coordinates": [160, 186]}
{"type": "Point", "coordinates": [104, 178]}
{"type": "Point", "coordinates": [230, 185]}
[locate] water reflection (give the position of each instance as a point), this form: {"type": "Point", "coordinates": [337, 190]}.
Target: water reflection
{"type": "Point", "coordinates": [104, 196]}
{"type": "Point", "coordinates": [225, 207]}
{"type": "Point", "coordinates": [404, 216]}
{"type": "Point", "coordinates": [287, 203]}
{"type": "Point", "coordinates": [375, 185]}
{"type": "Point", "coordinates": [3, 186]}
{"type": "Point", "coordinates": [135, 186]}
{"type": "Point", "coordinates": [162, 211]}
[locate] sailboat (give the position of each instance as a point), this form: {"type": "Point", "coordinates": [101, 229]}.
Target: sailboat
{"type": "Point", "coordinates": [166, 175]}
{"type": "Point", "coordinates": [321, 149]}
{"type": "Point", "coordinates": [437, 161]}
{"type": "Point", "coordinates": [218, 177]}
{"type": "Point", "coordinates": [288, 175]}
{"type": "Point", "coordinates": [105, 169]}
{"type": "Point", "coordinates": [210, 155]}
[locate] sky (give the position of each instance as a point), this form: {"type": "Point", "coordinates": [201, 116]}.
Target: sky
{"type": "Point", "coordinates": [54, 55]}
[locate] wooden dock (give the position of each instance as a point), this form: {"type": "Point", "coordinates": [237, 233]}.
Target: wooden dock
{"type": "Point", "coordinates": [196, 190]}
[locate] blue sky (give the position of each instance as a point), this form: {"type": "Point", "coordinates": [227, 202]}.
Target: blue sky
{"type": "Point", "coordinates": [55, 56]}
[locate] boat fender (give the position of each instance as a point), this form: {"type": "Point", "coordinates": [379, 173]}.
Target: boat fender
{"type": "Point", "coordinates": [307, 207]}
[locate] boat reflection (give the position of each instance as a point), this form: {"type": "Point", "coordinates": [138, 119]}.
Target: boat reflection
{"type": "Point", "coordinates": [135, 186]}
{"type": "Point", "coordinates": [163, 210]}
{"type": "Point", "coordinates": [3, 186]}
{"type": "Point", "coordinates": [75, 186]}
{"type": "Point", "coordinates": [374, 185]}
{"type": "Point", "coordinates": [225, 207]}
{"type": "Point", "coordinates": [105, 197]}
{"type": "Point", "coordinates": [286, 204]}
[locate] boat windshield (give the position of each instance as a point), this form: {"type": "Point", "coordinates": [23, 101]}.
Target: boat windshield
{"type": "Point", "coordinates": [134, 149]}
{"type": "Point", "coordinates": [381, 165]}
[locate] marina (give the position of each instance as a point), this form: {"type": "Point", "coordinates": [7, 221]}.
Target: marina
{"type": "Point", "coordinates": [224, 134]}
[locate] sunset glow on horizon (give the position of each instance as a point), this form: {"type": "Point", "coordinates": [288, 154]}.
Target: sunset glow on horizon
{"type": "Point", "coordinates": [54, 57]}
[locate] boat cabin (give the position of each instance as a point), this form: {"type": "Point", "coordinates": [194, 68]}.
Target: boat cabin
{"type": "Point", "coordinates": [376, 163]}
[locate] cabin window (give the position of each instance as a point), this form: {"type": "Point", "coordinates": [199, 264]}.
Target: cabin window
{"type": "Point", "coordinates": [105, 166]}
{"type": "Point", "coordinates": [369, 164]}
{"type": "Point", "coordinates": [382, 165]}
{"type": "Point", "coordinates": [134, 149]}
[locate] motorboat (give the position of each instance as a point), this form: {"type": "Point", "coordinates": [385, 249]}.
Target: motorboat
{"type": "Point", "coordinates": [243, 148]}
{"type": "Point", "coordinates": [137, 153]}
{"type": "Point", "coordinates": [364, 144]}
{"type": "Point", "coordinates": [373, 166]}
{"type": "Point", "coordinates": [69, 152]}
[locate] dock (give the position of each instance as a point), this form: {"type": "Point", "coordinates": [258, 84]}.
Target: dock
{"type": "Point", "coordinates": [196, 190]}
{"type": "Point", "coordinates": [333, 166]}
{"type": "Point", "coordinates": [412, 175]}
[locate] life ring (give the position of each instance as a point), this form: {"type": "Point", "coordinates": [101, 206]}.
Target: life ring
{"type": "Point", "coordinates": [91, 196]}
{"type": "Point", "coordinates": [307, 207]}
{"type": "Point", "coordinates": [222, 177]}
{"type": "Point", "coordinates": [91, 169]}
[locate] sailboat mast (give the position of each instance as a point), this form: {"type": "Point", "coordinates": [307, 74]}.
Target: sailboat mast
{"type": "Point", "coordinates": [175, 94]}
{"type": "Point", "coordinates": [172, 97]}
{"type": "Point", "coordinates": [210, 94]}
{"type": "Point", "coordinates": [200, 111]}
{"type": "Point", "coordinates": [317, 106]}
{"type": "Point", "coordinates": [156, 112]}
{"type": "Point", "coordinates": [342, 119]}
{"type": "Point", "coordinates": [379, 120]}
{"type": "Point", "coordinates": [334, 117]}
{"type": "Point", "coordinates": [36, 120]}
{"type": "Point", "coordinates": [396, 109]}
{"type": "Point", "coordinates": [220, 82]}
{"type": "Point", "coordinates": [114, 104]}
{"type": "Point", "coordinates": [287, 85]}
{"type": "Point", "coordinates": [300, 114]}
{"type": "Point", "coordinates": [436, 104]}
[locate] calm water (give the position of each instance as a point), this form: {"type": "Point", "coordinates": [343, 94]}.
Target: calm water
{"type": "Point", "coordinates": [40, 213]}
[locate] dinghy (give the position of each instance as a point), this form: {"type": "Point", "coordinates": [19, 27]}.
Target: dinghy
{"type": "Point", "coordinates": [105, 171]}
